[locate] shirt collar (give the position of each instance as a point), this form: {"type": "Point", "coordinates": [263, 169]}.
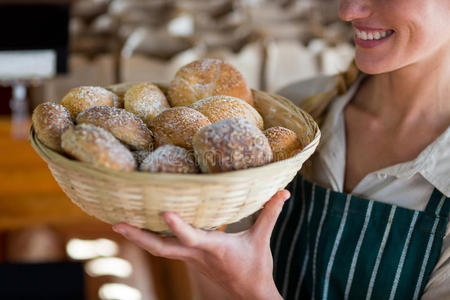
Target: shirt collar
{"type": "Point", "coordinates": [433, 163]}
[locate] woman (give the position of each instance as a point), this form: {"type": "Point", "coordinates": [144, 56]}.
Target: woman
{"type": "Point", "coordinates": [386, 139]}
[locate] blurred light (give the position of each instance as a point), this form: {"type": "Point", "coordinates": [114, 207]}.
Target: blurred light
{"type": "Point", "coordinates": [87, 249]}
{"type": "Point", "coordinates": [27, 64]}
{"type": "Point", "coordinates": [133, 41]}
{"type": "Point", "coordinates": [118, 291]}
{"type": "Point", "coordinates": [316, 46]}
{"type": "Point", "coordinates": [109, 266]}
{"type": "Point", "coordinates": [182, 25]}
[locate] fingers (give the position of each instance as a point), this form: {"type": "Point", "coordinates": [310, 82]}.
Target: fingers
{"type": "Point", "coordinates": [266, 221]}
{"type": "Point", "coordinates": [156, 245]}
{"type": "Point", "coordinates": [188, 235]}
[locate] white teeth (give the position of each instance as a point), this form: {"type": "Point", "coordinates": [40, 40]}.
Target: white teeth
{"type": "Point", "coordinates": [363, 35]}
{"type": "Point", "coordinates": [371, 35]}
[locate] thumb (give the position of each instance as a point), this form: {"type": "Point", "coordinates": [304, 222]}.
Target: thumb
{"type": "Point", "coordinates": [262, 229]}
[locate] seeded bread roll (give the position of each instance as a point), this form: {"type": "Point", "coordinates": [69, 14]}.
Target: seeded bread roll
{"type": "Point", "coordinates": [124, 125]}
{"type": "Point", "coordinates": [284, 142]}
{"type": "Point", "coordinates": [50, 120]}
{"type": "Point", "coordinates": [205, 78]}
{"type": "Point", "coordinates": [170, 159]}
{"type": "Point", "coordinates": [83, 97]}
{"type": "Point", "coordinates": [177, 126]}
{"type": "Point", "coordinates": [94, 145]}
{"type": "Point", "coordinates": [217, 108]}
{"type": "Point", "coordinates": [145, 100]}
{"type": "Point", "coordinates": [231, 144]}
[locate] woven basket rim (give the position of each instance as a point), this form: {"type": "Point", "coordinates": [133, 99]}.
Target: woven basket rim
{"type": "Point", "coordinates": [56, 158]}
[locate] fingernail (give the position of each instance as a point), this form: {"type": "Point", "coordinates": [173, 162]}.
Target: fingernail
{"type": "Point", "coordinates": [167, 216]}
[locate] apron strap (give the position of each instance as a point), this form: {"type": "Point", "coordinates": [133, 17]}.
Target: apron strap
{"type": "Point", "coordinates": [438, 204]}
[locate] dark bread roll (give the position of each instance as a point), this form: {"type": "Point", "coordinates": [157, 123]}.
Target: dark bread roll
{"type": "Point", "coordinates": [170, 159]}
{"type": "Point", "coordinates": [94, 145]}
{"type": "Point", "coordinates": [124, 125]}
{"type": "Point", "coordinates": [231, 144]}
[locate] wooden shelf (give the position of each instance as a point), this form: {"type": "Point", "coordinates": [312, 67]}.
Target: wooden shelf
{"type": "Point", "coordinates": [29, 194]}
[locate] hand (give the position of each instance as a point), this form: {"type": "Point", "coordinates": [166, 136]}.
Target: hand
{"type": "Point", "coordinates": [241, 263]}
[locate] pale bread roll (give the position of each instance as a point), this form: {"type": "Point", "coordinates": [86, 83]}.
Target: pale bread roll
{"type": "Point", "coordinates": [96, 146]}
{"type": "Point", "coordinates": [207, 77]}
{"type": "Point", "coordinates": [284, 142]}
{"type": "Point", "coordinates": [217, 108]}
{"type": "Point", "coordinates": [124, 125]}
{"type": "Point", "coordinates": [170, 159]}
{"type": "Point", "coordinates": [145, 100]}
{"type": "Point", "coordinates": [50, 120]}
{"type": "Point", "coordinates": [177, 126]}
{"type": "Point", "coordinates": [83, 97]}
{"type": "Point", "coordinates": [231, 144]}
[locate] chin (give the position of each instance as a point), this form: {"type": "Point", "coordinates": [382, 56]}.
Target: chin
{"type": "Point", "coordinates": [375, 64]}
{"type": "Point", "coordinates": [370, 66]}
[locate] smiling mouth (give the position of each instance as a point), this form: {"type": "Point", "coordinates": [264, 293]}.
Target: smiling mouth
{"type": "Point", "coordinates": [373, 35]}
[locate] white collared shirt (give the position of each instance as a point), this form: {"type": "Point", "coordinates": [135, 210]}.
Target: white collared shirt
{"type": "Point", "coordinates": [407, 184]}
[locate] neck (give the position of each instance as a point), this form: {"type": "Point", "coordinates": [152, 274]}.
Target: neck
{"type": "Point", "coordinates": [419, 90]}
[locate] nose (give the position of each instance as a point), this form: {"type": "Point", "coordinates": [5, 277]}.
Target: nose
{"type": "Point", "coordinates": [350, 10]}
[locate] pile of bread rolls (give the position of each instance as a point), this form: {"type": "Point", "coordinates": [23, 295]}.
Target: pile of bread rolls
{"type": "Point", "coordinates": [205, 124]}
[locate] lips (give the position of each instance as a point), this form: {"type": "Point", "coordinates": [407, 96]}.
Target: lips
{"type": "Point", "coordinates": [370, 37]}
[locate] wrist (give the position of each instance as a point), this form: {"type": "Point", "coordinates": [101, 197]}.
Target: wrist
{"type": "Point", "coordinates": [262, 290]}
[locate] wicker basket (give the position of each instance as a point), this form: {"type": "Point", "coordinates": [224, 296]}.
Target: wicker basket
{"type": "Point", "coordinates": [204, 200]}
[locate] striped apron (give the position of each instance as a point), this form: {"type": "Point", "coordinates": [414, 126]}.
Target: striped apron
{"type": "Point", "coordinates": [331, 245]}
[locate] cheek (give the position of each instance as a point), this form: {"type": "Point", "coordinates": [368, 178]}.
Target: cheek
{"type": "Point", "coordinates": [422, 27]}
{"type": "Point", "coordinates": [417, 35]}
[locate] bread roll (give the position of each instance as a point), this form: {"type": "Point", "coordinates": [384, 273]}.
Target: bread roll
{"type": "Point", "coordinates": [124, 125]}
{"type": "Point", "coordinates": [170, 159]}
{"type": "Point", "coordinates": [207, 77]}
{"type": "Point", "coordinates": [145, 100]}
{"type": "Point", "coordinates": [94, 145]}
{"type": "Point", "coordinates": [50, 120]}
{"type": "Point", "coordinates": [231, 144]}
{"type": "Point", "coordinates": [177, 126]}
{"type": "Point", "coordinates": [284, 142]}
{"type": "Point", "coordinates": [83, 97]}
{"type": "Point", "coordinates": [217, 108]}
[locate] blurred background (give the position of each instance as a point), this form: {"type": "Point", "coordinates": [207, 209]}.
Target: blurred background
{"type": "Point", "coordinates": [49, 249]}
